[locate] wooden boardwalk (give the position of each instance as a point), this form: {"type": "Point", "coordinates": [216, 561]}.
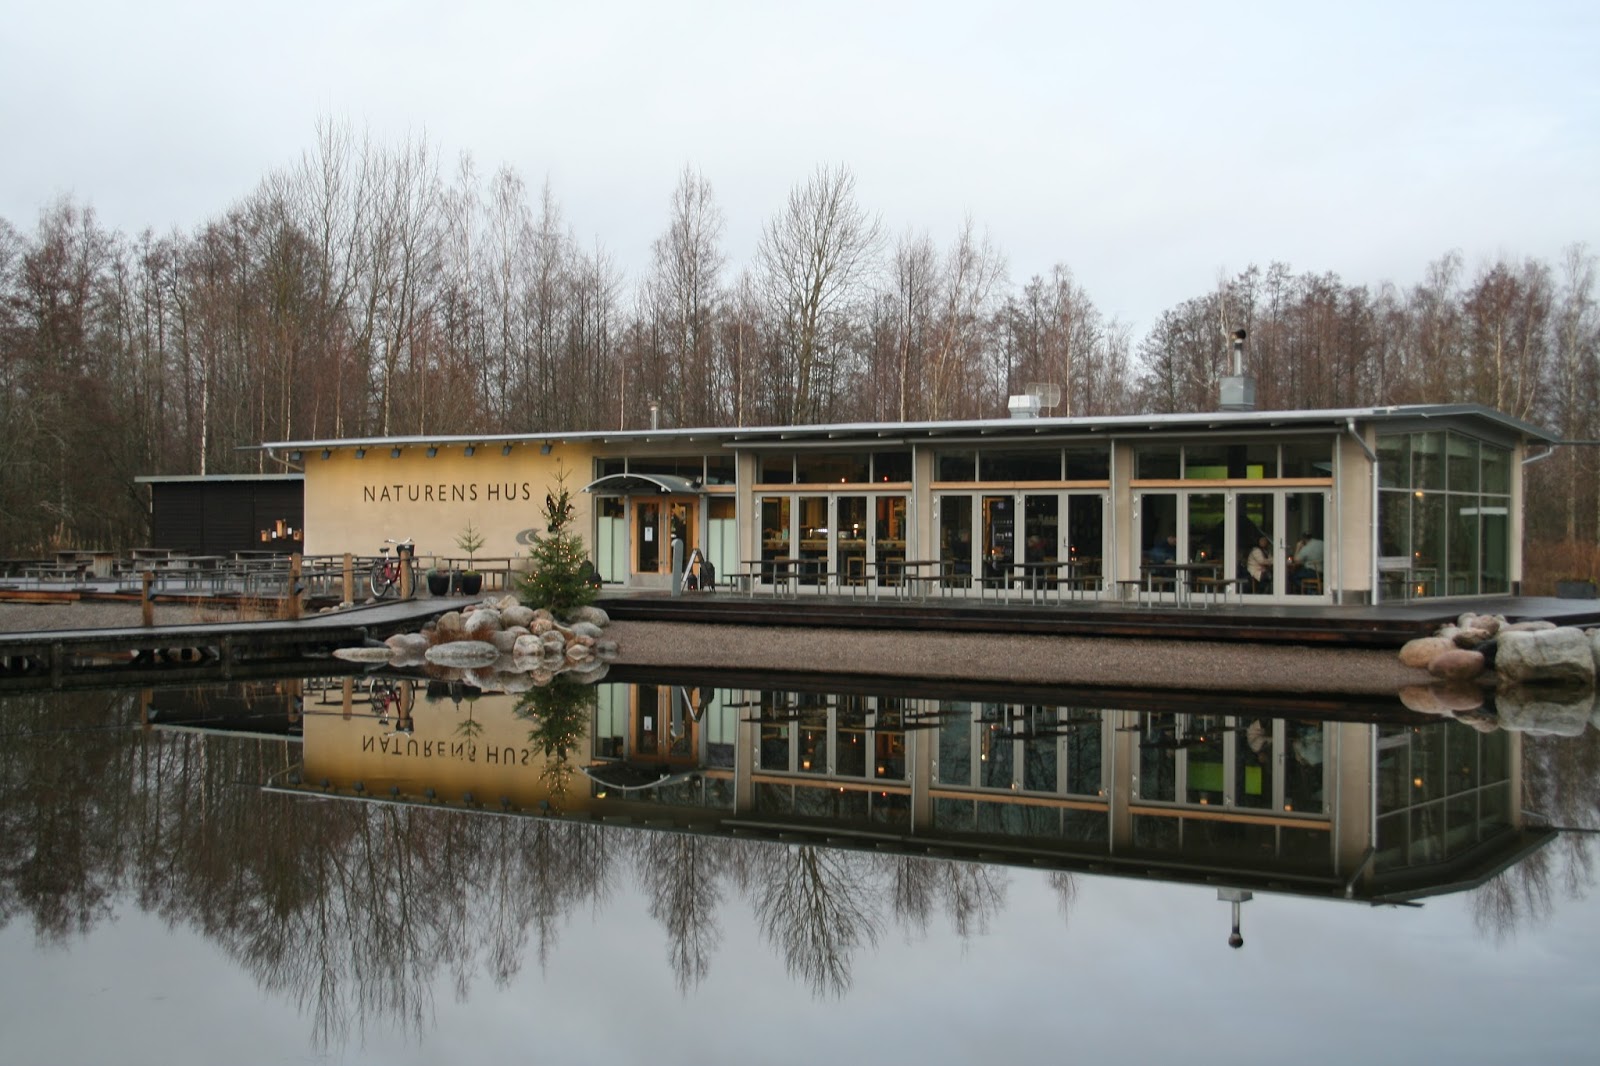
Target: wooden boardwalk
{"type": "Point", "coordinates": [51, 658]}
{"type": "Point", "coordinates": [1383, 626]}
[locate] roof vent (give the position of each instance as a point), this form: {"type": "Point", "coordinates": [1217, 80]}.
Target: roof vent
{"type": "Point", "coordinates": [1024, 406]}
{"type": "Point", "coordinates": [1238, 392]}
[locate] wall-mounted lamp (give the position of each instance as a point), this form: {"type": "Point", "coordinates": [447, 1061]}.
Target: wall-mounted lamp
{"type": "Point", "coordinates": [544, 449]}
{"type": "Point", "coordinates": [361, 453]}
{"type": "Point", "coordinates": [295, 456]}
{"type": "Point", "coordinates": [432, 451]}
{"type": "Point", "coordinates": [506, 450]}
{"type": "Point", "coordinates": [468, 450]}
{"type": "Point", "coordinates": [394, 453]}
{"type": "Point", "coordinates": [327, 453]}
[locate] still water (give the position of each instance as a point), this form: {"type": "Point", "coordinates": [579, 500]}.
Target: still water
{"type": "Point", "coordinates": [380, 869]}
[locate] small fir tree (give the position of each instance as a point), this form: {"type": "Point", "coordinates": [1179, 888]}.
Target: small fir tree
{"type": "Point", "coordinates": [559, 578]}
{"type": "Point", "coordinates": [470, 541]}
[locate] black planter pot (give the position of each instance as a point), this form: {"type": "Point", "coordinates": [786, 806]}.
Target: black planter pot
{"type": "Point", "coordinates": [438, 584]}
{"type": "Point", "coordinates": [469, 584]}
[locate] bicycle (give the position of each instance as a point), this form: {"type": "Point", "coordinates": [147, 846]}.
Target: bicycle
{"type": "Point", "coordinates": [386, 571]}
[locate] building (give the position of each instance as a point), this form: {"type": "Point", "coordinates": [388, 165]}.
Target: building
{"type": "Point", "coordinates": [1397, 502]}
{"type": "Point", "coordinates": [220, 514]}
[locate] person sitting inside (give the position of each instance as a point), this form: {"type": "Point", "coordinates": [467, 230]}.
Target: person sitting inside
{"type": "Point", "coordinates": [1259, 565]}
{"type": "Point", "coordinates": [1161, 557]}
{"type": "Point", "coordinates": [1306, 563]}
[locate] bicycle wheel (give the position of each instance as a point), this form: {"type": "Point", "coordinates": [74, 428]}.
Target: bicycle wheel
{"type": "Point", "coordinates": [381, 579]}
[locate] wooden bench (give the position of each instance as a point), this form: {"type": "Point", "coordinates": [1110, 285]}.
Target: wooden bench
{"type": "Point", "coordinates": [1213, 588]}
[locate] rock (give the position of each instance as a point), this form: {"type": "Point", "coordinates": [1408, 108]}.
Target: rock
{"type": "Point", "coordinates": [1482, 722]}
{"type": "Point", "coordinates": [408, 644]}
{"type": "Point", "coordinates": [1560, 656]}
{"type": "Point", "coordinates": [1457, 664]}
{"type": "Point", "coordinates": [505, 640]}
{"type": "Point", "coordinates": [606, 649]}
{"type": "Point", "coordinates": [1594, 649]}
{"type": "Point", "coordinates": [448, 627]}
{"type": "Point", "coordinates": [506, 603]}
{"type": "Point", "coordinates": [464, 653]}
{"type": "Point", "coordinates": [480, 623]}
{"type": "Point", "coordinates": [541, 625]}
{"type": "Point", "coordinates": [578, 652]}
{"type": "Point", "coordinates": [1472, 638]}
{"type": "Point", "coordinates": [516, 615]}
{"type": "Point", "coordinates": [591, 614]}
{"type": "Point", "coordinates": [1533, 625]}
{"type": "Point", "coordinates": [588, 629]}
{"type": "Point", "coordinates": [364, 655]}
{"type": "Point", "coordinates": [1542, 711]}
{"type": "Point", "coordinates": [590, 672]}
{"type": "Point", "coordinates": [1423, 650]}
{"type": "Point", "coordinates": [526, 647]}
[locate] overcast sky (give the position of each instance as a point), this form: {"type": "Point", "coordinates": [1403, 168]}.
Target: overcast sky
{"type": "Point", "coordinates": [1146, 146]}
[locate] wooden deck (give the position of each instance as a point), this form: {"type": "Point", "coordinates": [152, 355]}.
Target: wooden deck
{"type": "Point", "coordinates": [53, 658]}
{"type": "Point", "coordinates": [1383, 626]}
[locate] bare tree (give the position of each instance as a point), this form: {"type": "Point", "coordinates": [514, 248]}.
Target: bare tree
{"type": "Point", "coordinates": [811, 263]}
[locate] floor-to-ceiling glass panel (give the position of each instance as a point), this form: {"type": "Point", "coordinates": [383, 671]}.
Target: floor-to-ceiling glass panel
{"type": "Point", "coordinates": [955, 744]}
{"type": "Point", "coordinates": [1086, 533]}
{"type": "Point", "coordinates": [889, 532]}
{"type": "Point", "coordinates": [814, 530]}
{"type": "Point", "coordinates": [1305, 521]}
{"type": "Point", "coordinates": [1207, 541]}
{"type": "Point", "coordinates": [774, 531]}
{"type": "Point", "coordinates": [1256, 532]}
{"type": "Point", "coordinates": [1158, 537]}
{"type": "Point", "coordinates": [1205, 755]}
{"type": "Point", "coordinates": [1041, 533]}
{"type": "Point", "coordinates": [1427, 542]}
{"type": "Point", "coordinates": [1255, 757]}
{"type": "Point", "coordinates": [647, 535]}
{"type": "Point", "coordinates": [1494, 548]}
{"type": "Point", "coordinates": [1303, 784]}
{"type": "Point", "coordinates": [1158, 757]}
{"type": "Point", "coordinates": [1462, 545]}
{"type": "Point", "coordinates": [1040, 749]}
{"type": "Point", "coordinates": [1085, 752]}
{"type": "Point", "coordinates": [722, 540]}
{"type": "Point", "coordinates": [611, 538]}
{"type": "Point", "coordinates": [853, 714]}
{"type": "Point", "coordinates": [889, 739]}
{"type": "Point", "coordinates": [995, 750]}
{"type": "Point", "coordinates": [850, 559]}
{"type": "Point", "coordinates": [955, 540]}
{"type": "Point", "coordinates": [999, 540]}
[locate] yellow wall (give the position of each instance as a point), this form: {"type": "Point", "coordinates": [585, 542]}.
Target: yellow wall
{"type": "Point", "coordinates": [353, 504]}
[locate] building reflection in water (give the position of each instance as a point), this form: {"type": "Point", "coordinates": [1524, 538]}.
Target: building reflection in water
{"type": "Point", "coordinates": [1355, 802]}
{"type": "Point", "coordinates": [834, 816]}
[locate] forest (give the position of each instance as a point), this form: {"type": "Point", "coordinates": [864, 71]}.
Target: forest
{"type": "Point", "coordinates": [373, 289]}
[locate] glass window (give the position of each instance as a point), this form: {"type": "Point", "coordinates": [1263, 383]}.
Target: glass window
{"type": "Point", "coordinates": [690, 467]}
{"type": "Point", "coordinates": [1496, 469]}
{"type": "Point", "coordinates": [819, 468]}
{"type": "Point", "coordinates": [1156, 461]}
{"type": "Point", "coordinates": [891, 466]}
{"type": "Point", "coordinates": [1462, 545]}
{"type": "Point", "coordinates": [1394, 461]}
{"type": "Point", "coordinates": [1205, 462]}
{"type": "Point", "coordinates": [1089, 463]}
{"type": "Point", "coordinates": [956, 466]}
{"type": "Point", "coordinates": [1462, 464]}
{"type": "Point", "coordinates": [720, 470]}
{"type": "Point", "coordinates": [777, 470]}
{"type": "Point", "coordinates": [1427, 460]}
{"type": "Point", "coordinates": [1020, 465]}
{"type": "Point", "coordinates": [607, 467]}
{"type": "Point", "coordinates": [1308, 458]}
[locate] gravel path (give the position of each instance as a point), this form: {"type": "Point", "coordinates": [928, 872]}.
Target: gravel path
{"type": "Point", "coordinates": [980, 657]}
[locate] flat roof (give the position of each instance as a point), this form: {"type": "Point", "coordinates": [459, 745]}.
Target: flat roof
{"type": "Point", "coordinates": [975, 430]}
{"type": "Point", "coordinates": [166, 479]}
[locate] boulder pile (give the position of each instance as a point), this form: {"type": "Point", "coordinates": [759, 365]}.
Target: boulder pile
{"type": "Point", "coordinates": [1532, 676]}
{"type": "Point", "coordinates": [501, 646]}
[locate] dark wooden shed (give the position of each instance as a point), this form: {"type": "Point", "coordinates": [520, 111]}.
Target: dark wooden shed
{"type": "Point", "coordinates": [225, 513]}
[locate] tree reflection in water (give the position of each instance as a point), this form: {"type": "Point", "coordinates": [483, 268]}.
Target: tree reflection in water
{"type": "Point", "coordinates": [354, 910]}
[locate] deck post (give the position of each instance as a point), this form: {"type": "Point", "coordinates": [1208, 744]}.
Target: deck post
{"type": "Point", "coordinates": [147, 611]}
{"type": "Point", "coordinates": [349, 595]}
{"type": "Point", "coordinates": [292, 604]}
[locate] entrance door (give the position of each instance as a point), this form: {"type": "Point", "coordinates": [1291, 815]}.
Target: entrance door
{"type": "Point", "coordinates": [655, 521]}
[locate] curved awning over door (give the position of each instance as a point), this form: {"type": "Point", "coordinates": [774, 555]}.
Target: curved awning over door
{"type": "Point", "coordinates": [642, 485]}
